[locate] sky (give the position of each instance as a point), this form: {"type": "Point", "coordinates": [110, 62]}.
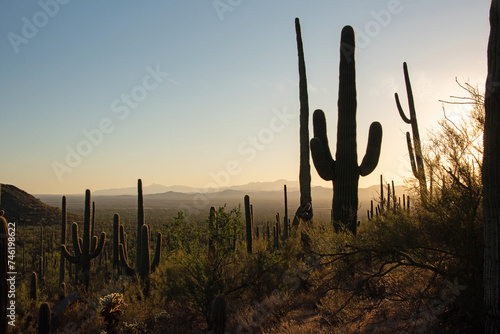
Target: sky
{"type": "Point", "coordinates": [97, 94]}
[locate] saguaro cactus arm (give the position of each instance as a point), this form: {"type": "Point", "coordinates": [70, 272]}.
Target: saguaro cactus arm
{"type": "Point", "coordinates": [99, 247]}
{"type": "Point", "coordinates": [370, 161]}
{"type": "Point", "coordinates": [124, 264]}
{"type": "Point", "coordinates": [320, 150]}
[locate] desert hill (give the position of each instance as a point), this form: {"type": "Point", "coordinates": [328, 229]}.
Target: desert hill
{"type": "Point", "coordinates": [23, 208]}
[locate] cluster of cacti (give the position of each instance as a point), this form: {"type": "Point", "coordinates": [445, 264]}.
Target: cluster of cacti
{"type": "Point", "coordinates": [344, 171]}
{"type": "Point", "coordinates": [143, 264]}
{"type": "Point", "coordinates": [385, 203]}
{"type": "Point", "coordinates": [304, 212]}
{"type": "Point", "coordinates": [415, 149]}
{"type": "Point", "coordinates": [83, 250]}
{"type": "Point", "coordinates": [249, 224]}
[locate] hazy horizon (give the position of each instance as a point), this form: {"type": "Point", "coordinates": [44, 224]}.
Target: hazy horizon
{"type": "Point", "coordinates": [98, 95]}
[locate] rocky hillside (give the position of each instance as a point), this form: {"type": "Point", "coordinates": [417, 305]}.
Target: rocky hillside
{"type": "Point", "coordinates": [23, 208]}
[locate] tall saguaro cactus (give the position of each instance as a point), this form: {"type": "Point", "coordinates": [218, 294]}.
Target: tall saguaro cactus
{"type": "Point", "coordinates": [140, 219]}
{"type": "Point", "coordinates": [83, 253]}
{"type": "Point", "coordinates": [64, 219]}
{"type": "Point", "coordinates": [491, 177]}
{"type": "Point", "coordinates": [249, 224]}
{"type": "Point", "coordinates": [142, 250]}
{"type": "Point", "coordinates": [344, 170]}
{"type": "Point", "coordinates": [304, 211]}
{"type": "Point", "coordinates": [415, 148]}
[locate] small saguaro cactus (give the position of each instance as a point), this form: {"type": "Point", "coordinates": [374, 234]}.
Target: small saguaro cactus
{"type": "Point", "coordinates": [285, 219]}
{"type": "Point", "coordinates": [83, 253]}
{"type": "Point", "coordinates": [414, 149]}
{"type": "Point", "coordinates": [344, 171]}
{"type": "Point", "coordinates": [33, 286]}
{"type": "Point", "coordinates": [44, 322]}
{"type": "Point", "coordinates": [249, 224]}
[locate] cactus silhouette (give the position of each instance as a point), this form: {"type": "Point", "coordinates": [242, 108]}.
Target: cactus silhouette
{"type": "Point", "coordinates": [33, 286]}
{"type": "Point", "coordinates": [249, 224]}
{"type": "Point", "coordinates": [285, 219]}
{"type": "Point", "coordinates": [44, 319]}
{"type": "Point", "coordinates": [142, 249]}
{"type": "Point", "coordinates": [62, 262]}
{"type": "Point", "coordinates": [116, 241]}
{"type": "Point", "coordinates": [304, 211]}
{"type": "Point", "coordinates": [83, 253]}
{"type": "Point", "coordinates": [344, 170]}
{"type": "Point", "coordinates": [414, 149]}
{"type": "Point", "coordinates": [140, 219]}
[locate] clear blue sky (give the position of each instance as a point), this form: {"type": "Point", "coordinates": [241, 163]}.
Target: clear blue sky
{"type": "Point", "coordinates": [206, 92]}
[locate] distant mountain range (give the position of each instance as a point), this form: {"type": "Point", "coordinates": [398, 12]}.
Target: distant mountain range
{"type": "Point", "coordinates": [266, 197]}
{"type": "Point", "coordinates": [158, 188]}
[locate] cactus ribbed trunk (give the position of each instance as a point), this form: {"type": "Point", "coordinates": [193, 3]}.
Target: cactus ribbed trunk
{"type": "Point", "coordinates": [491, 177]}
{"type": "Point", "coordinates": [345, 184]}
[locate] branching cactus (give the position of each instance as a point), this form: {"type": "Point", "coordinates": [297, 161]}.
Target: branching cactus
{"type": "Point", "coordinates": [142, 248]}
{"type": "Point", "coordinates": [83, 253]}
{"type": "Point", "coordinates": [414, 149]}
{"type": "Point", "coordinates": [344, 170]}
